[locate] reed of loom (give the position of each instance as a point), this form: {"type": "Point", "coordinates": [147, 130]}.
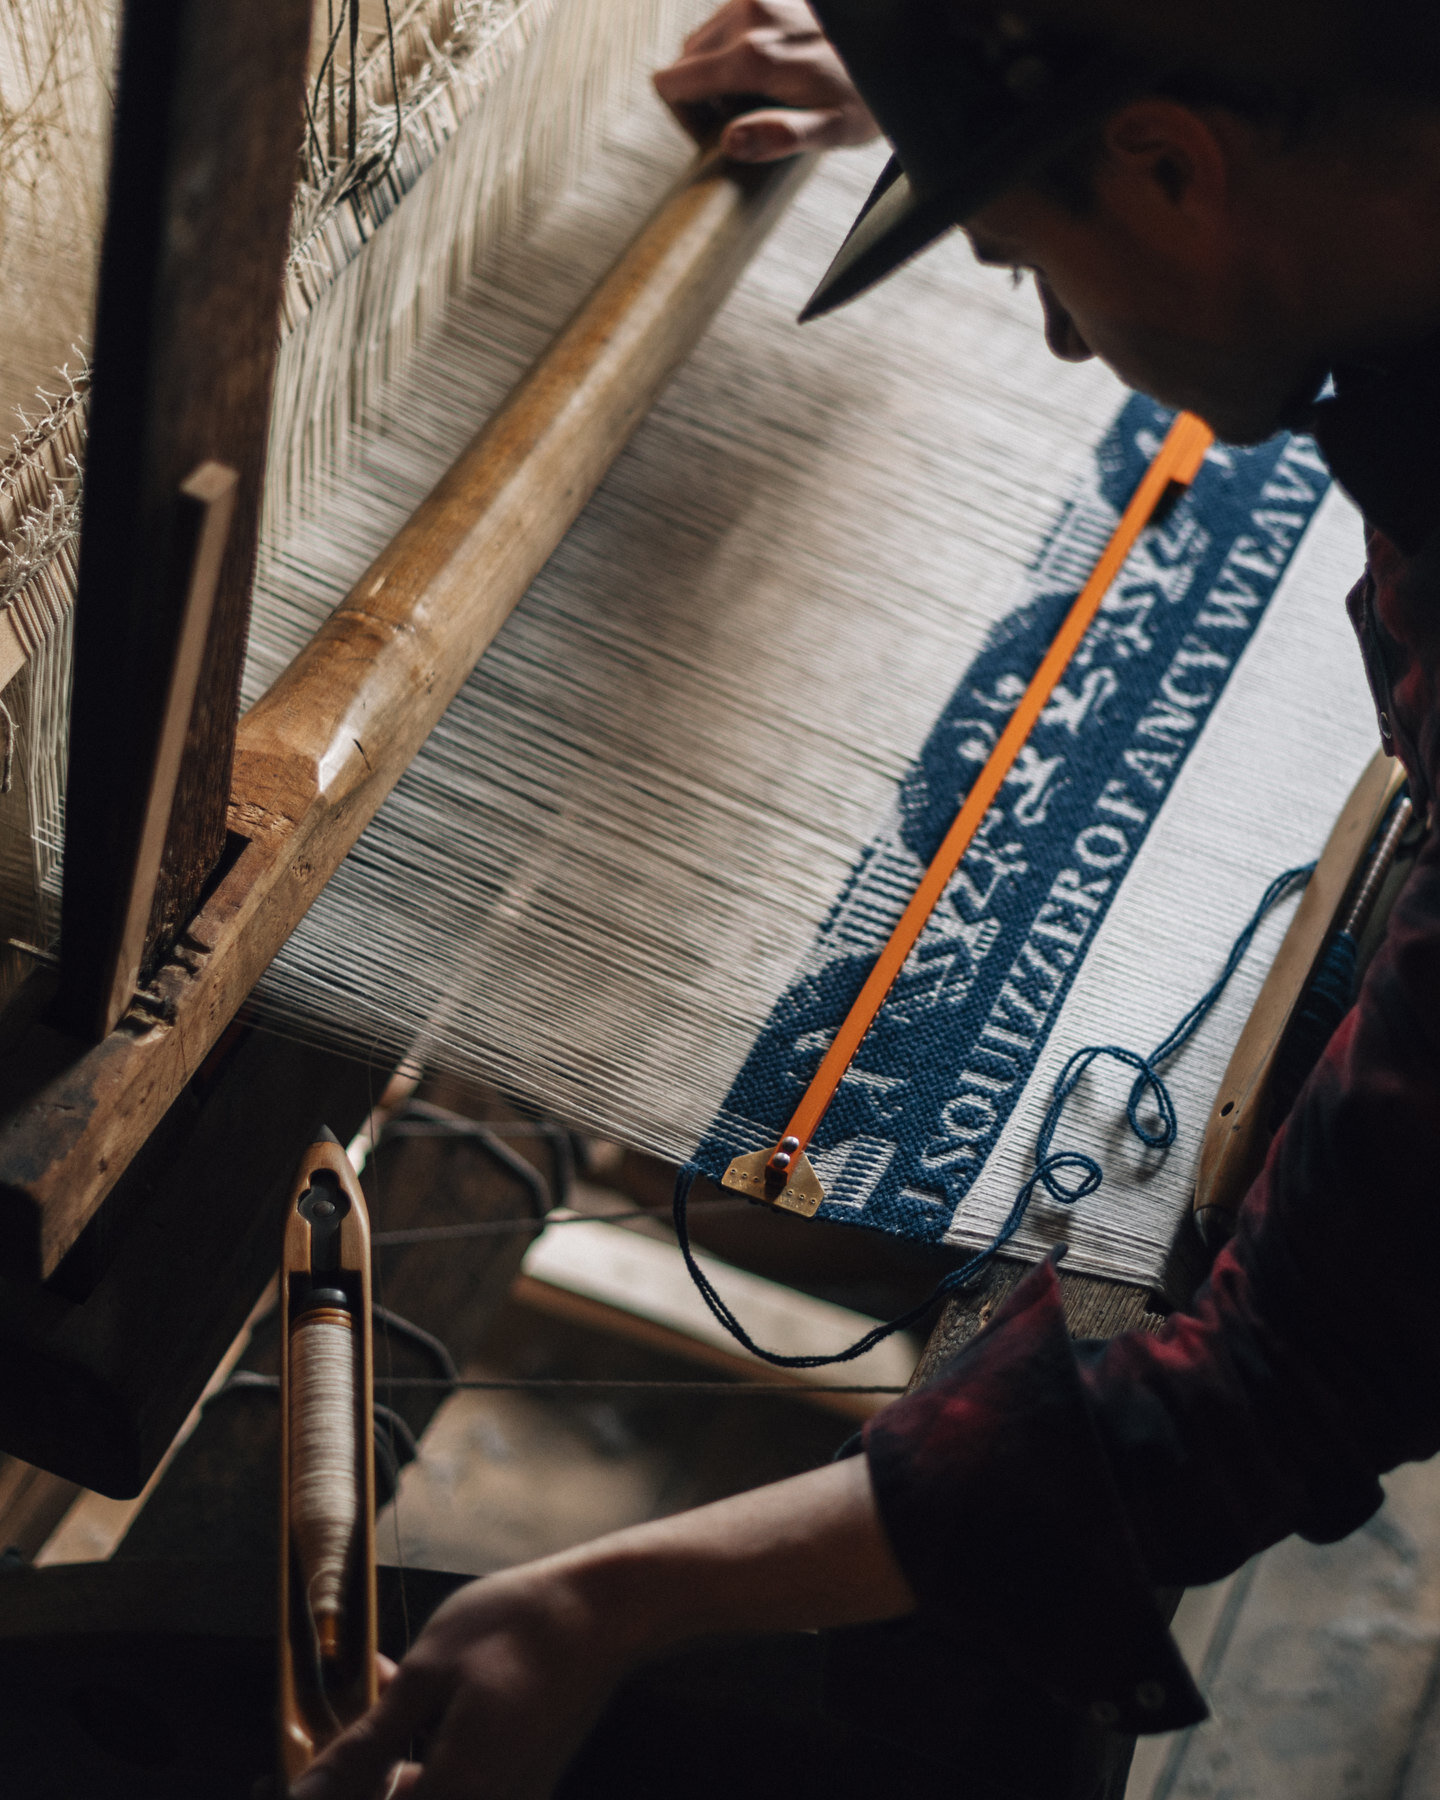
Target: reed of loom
{"type": "Point", "coordinates": [328, 1619]}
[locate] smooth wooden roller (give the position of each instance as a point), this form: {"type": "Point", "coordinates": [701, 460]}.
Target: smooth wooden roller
{"type": "Point", "coordinates": [329, 1632]}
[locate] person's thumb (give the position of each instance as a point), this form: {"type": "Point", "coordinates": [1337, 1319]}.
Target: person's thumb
{"type": "Point", "coordinates": [359, 1765]}
{"type": "Point", "coordinates": [759, 137]}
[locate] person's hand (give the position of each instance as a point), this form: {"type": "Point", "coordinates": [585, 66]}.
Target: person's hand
{"type": "Point", "coordinates": [510, 1674]}
{"type": "Point", "coordinates": [504, 1682]}
{"type": "Point", "coordinates": [772, 49]}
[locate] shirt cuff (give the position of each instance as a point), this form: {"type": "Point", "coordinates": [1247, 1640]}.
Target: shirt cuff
{"type": "Point", "coordinates": [1002, 1510]}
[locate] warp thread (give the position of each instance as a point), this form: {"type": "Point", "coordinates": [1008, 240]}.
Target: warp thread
{"type": "Point", "coordinates": [7, 756]}
{"type": "Point", "coordinates": [470, 112]}
{"type": "Point", "coordinates": [247, 1381]}
{"type": "Point", "coordinates": [1050, 1165]}
{"type": "Point", "coordinates": [322, 159]}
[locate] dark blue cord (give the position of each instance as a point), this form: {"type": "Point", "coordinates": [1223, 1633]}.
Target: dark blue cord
{"type": "Point", "coordinates": [1327, 999]}
{"type": "Point", "coordinates": [1050, 1164]}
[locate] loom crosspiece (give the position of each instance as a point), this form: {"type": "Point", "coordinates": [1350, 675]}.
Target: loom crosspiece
{"type": "Point", "coordinates": [1346, 893]}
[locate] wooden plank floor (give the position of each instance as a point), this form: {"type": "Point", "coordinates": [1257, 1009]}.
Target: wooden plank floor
{"type": "Point", "coordinates": [1322, 1671]}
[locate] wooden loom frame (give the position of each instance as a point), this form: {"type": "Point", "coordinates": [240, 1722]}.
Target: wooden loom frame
{"type": "Point", "coordinates": [82, 1091]}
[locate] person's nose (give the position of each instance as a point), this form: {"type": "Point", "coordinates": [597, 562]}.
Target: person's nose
{"type": "Point", "coordinates": [1061, 332]}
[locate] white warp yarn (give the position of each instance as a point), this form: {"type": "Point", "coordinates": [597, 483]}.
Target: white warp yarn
{"type": "Point", "coordinates": [618, 843]}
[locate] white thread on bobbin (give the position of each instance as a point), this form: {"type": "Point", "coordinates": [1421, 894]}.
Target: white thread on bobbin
{"type": "Point", "coordinates": [324, 1464]}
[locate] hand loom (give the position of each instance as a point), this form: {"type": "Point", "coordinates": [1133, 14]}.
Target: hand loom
{"type": "Point", "coordinates": [173, 292]}
{"type": "Point", "coordinates": [627, 879]}
{"type": "Point", "coordinates": [680, 782]}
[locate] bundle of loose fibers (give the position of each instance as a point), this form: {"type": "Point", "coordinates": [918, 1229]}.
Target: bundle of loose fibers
{"type": "Point", "coordinates": [465, 115]}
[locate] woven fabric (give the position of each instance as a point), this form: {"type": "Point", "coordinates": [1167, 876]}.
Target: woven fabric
{"type": "Point", "coordinates": [956, 1046]}
{"type": "Point", "coordinates": [691, 783]}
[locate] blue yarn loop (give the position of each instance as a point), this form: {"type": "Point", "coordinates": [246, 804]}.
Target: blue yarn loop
{"type": "Point", "coordinates": [1066, 1175]}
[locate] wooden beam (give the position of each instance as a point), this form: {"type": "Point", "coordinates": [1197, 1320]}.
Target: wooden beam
{"type": "Point", "coordinates": [1242, 1118]}
{"type": "Point", "coordinates": [1094, 1307]}
{"type": "Point", "coordinates": [33, 1502]}
{"type": "Point", "coordinates": [318, 754]}
{"type": "Point", "coordinates": [99, 1368]}
{"type": "Point", "coordinates": [637, 1287]}
{"type": "Point", "coordinates": [209, 111]}
{"type": "Point", "coordinates": [207, 505]}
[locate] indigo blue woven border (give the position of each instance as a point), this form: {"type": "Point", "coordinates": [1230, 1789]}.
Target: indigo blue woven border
{"type": "Point", "coordinates": [949, 1056]}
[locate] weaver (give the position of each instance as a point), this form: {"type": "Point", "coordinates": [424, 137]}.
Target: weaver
{"type": "Point", "coordinates": [1197, 187]}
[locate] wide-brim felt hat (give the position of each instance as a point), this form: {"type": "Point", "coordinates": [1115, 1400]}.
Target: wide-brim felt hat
{"type": "Point", "coordinates": [971, 98]}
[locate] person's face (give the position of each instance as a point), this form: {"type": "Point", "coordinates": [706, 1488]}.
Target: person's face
{"type": "Point", "coordinates": [1163, 279]}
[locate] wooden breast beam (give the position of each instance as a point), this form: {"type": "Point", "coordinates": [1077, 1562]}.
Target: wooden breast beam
{"type": "Point", "coordinates": [317, 755]}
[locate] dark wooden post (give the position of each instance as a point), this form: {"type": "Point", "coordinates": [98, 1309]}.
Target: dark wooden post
{"type": "Point", "coordinates": [208, 126]}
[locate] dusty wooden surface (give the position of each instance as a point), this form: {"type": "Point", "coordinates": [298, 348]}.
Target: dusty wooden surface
{"type": "Point", "coordinates": [1093, 1308]}
{"type": "Point", "coordinates": [207, 139]}
{"type": "Point", "coordinates": [317, 755]}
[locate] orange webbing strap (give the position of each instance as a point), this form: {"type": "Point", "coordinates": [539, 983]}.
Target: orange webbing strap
{"type": "Point", "coordinates": [1178, 461]}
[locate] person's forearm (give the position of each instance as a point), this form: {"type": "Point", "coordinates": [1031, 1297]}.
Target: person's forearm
{"type": "Point", "coordinates": [801, 1554]}
{"type": "Point", "coordinates": [512, 1671]}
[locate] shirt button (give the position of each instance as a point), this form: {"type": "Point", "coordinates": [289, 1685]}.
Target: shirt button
{"type": "Point", "coordinates": [1150, 1695]}
{"type": "Point", "coordinates": [1105, 1712]}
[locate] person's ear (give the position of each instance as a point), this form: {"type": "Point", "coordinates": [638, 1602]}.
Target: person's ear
{"type": "Point", "coordinates": [1165, 169]}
